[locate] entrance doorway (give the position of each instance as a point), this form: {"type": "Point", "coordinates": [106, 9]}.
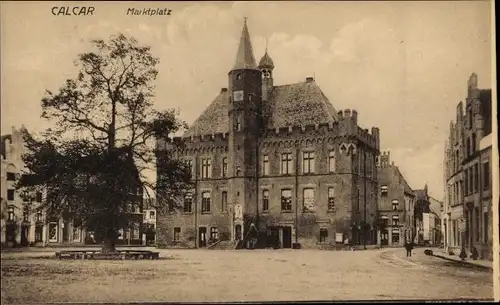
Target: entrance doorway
{"type": "Point", "coordinates": [384, 238]}
{"type": "Point", "coordinates": [65, 232]}
{"type": "Point", "coordinates": [202, 237]}
{"type": "Point", "coordinates": [24, 235]}
{"type": "Point", "coordinates": [287, 237]}
{"type": "Point", "coordinates": [238, 232]}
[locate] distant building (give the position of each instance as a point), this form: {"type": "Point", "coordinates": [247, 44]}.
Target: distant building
{"type": "Point", "coordinates": [432, 223]}
{"type": "Point", "coordinates": [395, 205]}
{"type": "Point", "coordinates": [468, 201]}
{"type": "Point", "coordinates": [273, 163]}
{"type": "Point", "coordinates": [422, 216]}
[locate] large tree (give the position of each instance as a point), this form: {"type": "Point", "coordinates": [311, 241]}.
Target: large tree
{"type": "Point", "coordinates": [91, 162]}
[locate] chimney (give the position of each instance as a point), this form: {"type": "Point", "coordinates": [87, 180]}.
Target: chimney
{"type": "Point", "coordinates": [222, 90]}
{"type": "Point", "coordinates": [309, 79]}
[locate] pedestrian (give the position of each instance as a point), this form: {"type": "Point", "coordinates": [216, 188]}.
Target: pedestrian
{"type": "Point", "coordinates": [409, 248]}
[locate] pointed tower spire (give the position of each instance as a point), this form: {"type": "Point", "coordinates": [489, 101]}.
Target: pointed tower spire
{"type": "Point", "coordinates": [244, 57]}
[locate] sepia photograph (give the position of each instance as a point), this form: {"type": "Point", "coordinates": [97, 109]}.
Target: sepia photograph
{"type": "Point", "coordinates": [248, 151]}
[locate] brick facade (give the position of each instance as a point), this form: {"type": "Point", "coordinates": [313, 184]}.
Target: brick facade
{"type": "Point", "coordinates": [467, 210]}
{"type": "Point", "coordinates": [266, 143]}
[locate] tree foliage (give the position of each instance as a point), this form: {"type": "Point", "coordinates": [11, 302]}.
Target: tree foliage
{"type": "Point", "coordinates": [91, 162]}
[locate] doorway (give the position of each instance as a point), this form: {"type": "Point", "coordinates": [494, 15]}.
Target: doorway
{"type": "Point", "coordinates": [202, 237]}
{"type": "Point", "coordinates": [238, 232]}
{"type": "Point", "coordinates": [24, 235]}
{"type": "Point", "coordinates": [65, 232]}
{"type": "Point", "coordinates": [287, 237]}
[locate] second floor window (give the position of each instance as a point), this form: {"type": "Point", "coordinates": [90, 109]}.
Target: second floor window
{"type": "Point", "coordinates": [238, 124]}
{"type": "Point", "coordinates": [38, 197]}
{"type": "Point", "coordinates": [189, 165]}
{"type": "Point", "coordinates": [486, 175]}
{"type": "Point", "coordinates": [331, 199]}
{"type": "Point", "coordinates": [286, 200]}
{"type": "Point", "coordinates": [224, 167]}
{"type": "Point", "coordinates": [188, 203]}
{"type": "Point", "coordinates": [224, 201]}
{"type": "Point", "coordinates": [331, 161]}
{"type": "Point", "coordinates": [205, 202]}
{"type": "Point", "coordinates": [38, 216]}
{"type": "Point", "coordinates": [265, 200]}
{"type": "Point", "coordinates": [10, 213]}
{"type": "Point", "coordinates": [395, 220]}
{"type": "Point", "coordinates": [10, 194]}
{"type": "Point", "coordinates": [286, 163]}
{"type": "Point", "coordinates": [152, 215]}
{"type": "Point", "coordinates": [265, 165]}
{"type": "Point", "coordinates": [206, 168]}
{"type": "Point", "coordinates": [308, 199]}
{"type": "Point", "coordinates": [476, 177]}
{"type": "Point", "coordinates": [308, 162]}
{"type": "Point", "coordinates": [395, 205]}
{"type": "Point", "coordinates": [383, 190]}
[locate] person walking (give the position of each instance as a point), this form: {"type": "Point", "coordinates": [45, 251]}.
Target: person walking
{"type": "Point", "coordinates": [409, 248]}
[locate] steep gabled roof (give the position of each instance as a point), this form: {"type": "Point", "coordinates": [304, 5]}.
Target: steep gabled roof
{"type": "Point", "coordinates": [288, 105]}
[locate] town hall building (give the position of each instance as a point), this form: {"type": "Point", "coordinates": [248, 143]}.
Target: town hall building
{"type": "Point", "coordinates": [273, 166]}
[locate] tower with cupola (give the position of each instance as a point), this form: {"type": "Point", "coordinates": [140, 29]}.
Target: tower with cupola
{"type": "Point", "coordinates": [244, 111]}
{"type": "Point", "coordinates": [266, 66]}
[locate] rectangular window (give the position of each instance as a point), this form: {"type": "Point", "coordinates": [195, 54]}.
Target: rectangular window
{"type": "Point", "coordinates": [188, 203]}
{"type": "Point", "coordinates": [224, 201]}
{"type": "Point", "coordinates": [39, 233]}
{"type": "Point", "coordinates": [205, 202]}
{"type": "Point", "coordinates": [323, 235]}
{"type": "Point", "coordinates": [265, 165]}
{"type": "Point", "coordinates": [286, 163]}
{"type": "Point", "coordinates": [11, 176]}
{"type": "Point", "coordinates": [331, 199]}
{"type": "Point", "coordinates": [477, 227]}
{"type": "Point", "coordinates": [383, 190]}
{"type": "Point", "coordinates": [286, 200]}
{"type": "Point", "coordinates": [214, 233]}
{"type": "Point", "coordinates": [10, 213]}
{"type": "Point", "coordinates": [265, 200]}
{"type": "Point", "coordinates": [38, 216]}
{"type": "Point", "coordinates": [395, 205]}
{"type": "Point", "coordinates": [331, 161]}
{"type": "Point", "coordinates": [466, 184]}
{"type": "Point", "coordinates": [38, 197]}
{"type": "Point", "coordinates": [177, 234]}
{"type": "Point", "coordinates": [26, 213]}
{"type": "Point", "coordinates": [238, 124]}
{"type": "Point", "coordinates": [486, 175]}
{"type": "Point", "coordinates": [206, 168]}
{"type": "Point", "coordinates": [224, 167]}
{"type": "Point", "coordinates": [308, 162]}
{"type": "Point", "coordinates": [476, 177]}
{"type": "Point", "coordinates": [308, 198]}
{"type": "Point", "coordinates": [485, 227]}
{"type": "Point", "coordinates": [171, 206]}
{"type": "Point", "coordinates": [395, 220]}
{"type": "Point", "coordinates": [10, 194]}
{"type": "Point", "coordinates": [189, 164]}
{"type": "Point", "coordinates": [53, 232]}
{"type": "Point", "coordinates": [77, 234]}
{"type": "Point", "coordinates": [152, 215]}
{"type": "Point", "coordinates": [395, 236]}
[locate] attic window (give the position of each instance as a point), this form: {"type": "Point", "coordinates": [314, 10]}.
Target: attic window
{"type": "Point", "coordinates": [238, 76]}
{"type": "Point", "coordinates": [383, 190]}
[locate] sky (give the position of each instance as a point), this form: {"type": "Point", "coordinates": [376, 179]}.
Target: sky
{"type": "Point", "coordinates": [403, 66]}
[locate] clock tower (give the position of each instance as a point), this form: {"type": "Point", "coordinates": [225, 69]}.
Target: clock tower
{"type": "Point", "coordinates": [245, 86]}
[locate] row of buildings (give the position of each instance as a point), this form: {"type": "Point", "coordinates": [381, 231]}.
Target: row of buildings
{"type": "Point", "coordinates": [272, 165]}
{"type": "Point", "coordinates": [22, 224]}
{"type": "Point", "coordinates": [467, 214]}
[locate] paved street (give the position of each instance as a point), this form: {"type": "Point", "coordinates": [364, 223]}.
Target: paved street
{"type": "Point", "coordinates": [205, 275]}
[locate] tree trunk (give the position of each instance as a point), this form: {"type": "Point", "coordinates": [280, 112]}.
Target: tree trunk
{"type": "Point", "coordinates": [109, 244]}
